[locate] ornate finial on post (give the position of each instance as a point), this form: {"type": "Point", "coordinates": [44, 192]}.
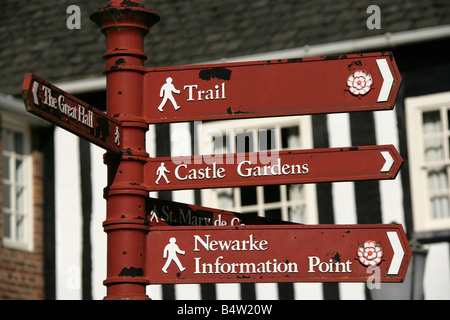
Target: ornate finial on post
{"type": "Point", "coordinates": [131, 14]}
{"type": "Point", "coordinates": [123, 10]}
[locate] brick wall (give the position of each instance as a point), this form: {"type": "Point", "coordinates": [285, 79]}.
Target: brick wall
{"type": "Point", "coordinates": [21, 272]}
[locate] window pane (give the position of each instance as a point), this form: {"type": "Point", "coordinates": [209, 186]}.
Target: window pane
{"type": "Point", "coordinates": [434, 149]}
{"type": "Point", "coordinates": [248, 196]}
{"type": "Point", "coordinates": [295, 192]}
{"type": "Point", "coordinates": [432, 122]}
{"type": "Point", "coordinates": [448, 118]}
{"type": "Point", "coordinates": [225, 198]}
{"type": "Point", "coordinates": [14, 197]}
{"type": "Point", "coordinates": [19, 143]}
{"type": "Point", "coordinates": [20, 230]}
{"type": "Point", "coordinates": [7, 140]}
{"type": "Point", "coordinates": [267, 139]}
{"type": "Point", "coordinates": [6, 196]}
{"type": "Point", "coordinates": [19, 171]}
{"type": "Point", "coordinates": [244, 142]}
{"type": "Point", "coordinates": [290, 138]}
{"type": "Point", "coordinates": [272, 193]}
{"type": "Point", "coordinates": [439, 207]}
{"type": "Point", "coordinates": [437, 178]}
{"type": "Point", "coordinates": [20, 201]}
{"type": "Point", "coordinates": [297, 213]}
{"type": "Point", "coordinates": [273, 214]}
{"type": "Point", "coordinates": [6, 168]}
{"type": "Point", "coordinates": [7, 225]}
{"type": "Point", "coordinates": [219, 143]}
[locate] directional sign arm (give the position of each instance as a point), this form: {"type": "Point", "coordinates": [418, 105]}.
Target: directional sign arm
{"type": "Point", "coordinates": [68, 112]}
{"type": "Point", "coordinates": [169, 213]}
{"type": "Point", "coordinates": [282, 167]}
{"type": "Point", "coordinates": [292, 253]}
{"type": "Point", "coordinates": [313, 85]}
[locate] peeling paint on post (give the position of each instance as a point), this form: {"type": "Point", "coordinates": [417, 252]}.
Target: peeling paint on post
{"type": "Point", "coordinates": [124, 24]}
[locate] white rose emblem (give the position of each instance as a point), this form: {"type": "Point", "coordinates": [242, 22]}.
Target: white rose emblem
{"type": "Point", "coordinates": [359, 83]}
{"type": "Point", "coordinates": [370, 253]}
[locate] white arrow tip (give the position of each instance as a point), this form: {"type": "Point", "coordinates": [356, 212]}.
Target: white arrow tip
{"type": "Point", "coordinates": [35, 90]}
{"type": "Point", "coordinates": [397, 258]}
{"type": "Point", "coordinates": [389, 161]}
{"type": "Point", "coordinates": [388, 80]}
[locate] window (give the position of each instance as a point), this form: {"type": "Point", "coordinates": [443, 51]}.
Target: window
{"type": "Point", "coordinates": [295, 203]}
{"type": "Point", "coordinates": [16, 183]}
{"type": "Point", "coordinates": [428, 121]}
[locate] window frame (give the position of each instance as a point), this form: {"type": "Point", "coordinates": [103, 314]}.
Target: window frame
{"type": "Point", "coordinates": [27, 244]}
{"type": "Point", "coordinates": [420, 193]}
{"type": "Point", "coordinates": [209, 197]}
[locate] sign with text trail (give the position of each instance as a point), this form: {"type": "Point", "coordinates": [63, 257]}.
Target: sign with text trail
{"type": "Point", "coordinates": [329, 84]}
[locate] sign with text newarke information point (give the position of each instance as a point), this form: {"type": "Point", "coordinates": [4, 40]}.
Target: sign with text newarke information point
{"type": "Point", "coordinates": [64, 110]}
{"type": "Point", "coordinates": [294, 253]}
{"type": "Point", "coordinates": [346, 83]}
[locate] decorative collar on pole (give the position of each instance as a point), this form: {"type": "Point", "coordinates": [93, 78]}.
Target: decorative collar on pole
{"type": "Point", "coordinates": [123, 13]}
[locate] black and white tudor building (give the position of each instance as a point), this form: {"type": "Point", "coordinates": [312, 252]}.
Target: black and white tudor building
{"type": "Point", "coordinates": [34, 38]}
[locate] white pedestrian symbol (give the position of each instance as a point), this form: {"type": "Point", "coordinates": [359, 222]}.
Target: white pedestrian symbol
{"type": "Point", "coordinates": [117, 136]}
{"type": "Point", "coordinates": [170, 253]}
{"type": "Point", "coordinates": [166, 93]}
{"type": "Point", "coordinates": [161, 172]}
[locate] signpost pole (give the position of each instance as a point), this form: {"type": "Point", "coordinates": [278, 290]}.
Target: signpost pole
{"type": "Point", "coordinates": [124, 24]}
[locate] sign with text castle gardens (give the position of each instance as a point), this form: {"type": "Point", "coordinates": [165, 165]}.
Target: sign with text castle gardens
{"type": "Point", "coordinates": [280, 167]}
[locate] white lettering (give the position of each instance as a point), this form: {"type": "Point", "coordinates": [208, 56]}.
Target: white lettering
{"type": "Point", "coordinates": [330, 266]}
{"type": "Point", "coordinates": [48, 98]}
{"type": "Point", "coordinates": [244, 267]}
{"type": "Point", "coordinates": [190, 91]}
{"type": "Point", "coordinates": [199, 174]}
{"type": "Point", "coordinates": [77, 112]}
{"type": "Point", "coordinates": [246, 170]}
{"type": "Point", "coordinates": [235, 245]}
{"type": "Point", "coordinates": [218, 93]}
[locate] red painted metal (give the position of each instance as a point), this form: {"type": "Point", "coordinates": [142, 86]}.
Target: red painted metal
{"type": "Point", "coordinates": [279, 253]}
{"type": "Point", "coordinates": [62, 109]}
{"type": "Point", "coordinates": [124, 24]}
{"type": "Point", "coordinates": [284, 167]}
{"type": "Point", "coordinates": [295, 253]}
{"type": "Point", "coordinates": [271, 88]}
{"type": "Point", "coordinates": [170, 213]}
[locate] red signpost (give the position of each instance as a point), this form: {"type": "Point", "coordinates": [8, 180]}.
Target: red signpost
{"type": "Point", "coordinates": [283, 167]}
{"type": "Point", "coordinates": [145, 242]}
{"type": "Point", "coordinates": [53, 104]}
{"type": "Point", "coordinates": [295, 253]}
{"type": "Point", "coordinates": [352, 82]}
